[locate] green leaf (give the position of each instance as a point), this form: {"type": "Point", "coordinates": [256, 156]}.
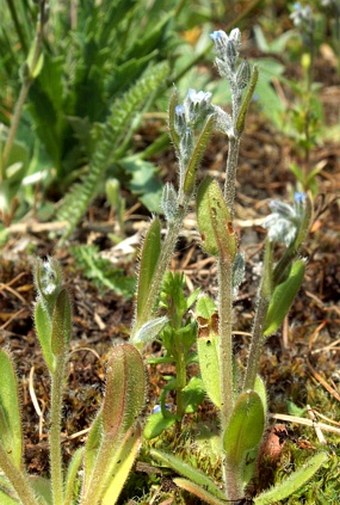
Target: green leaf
{"type": "Point", "coordinates": [244, 429]}
{"type": "Point", "coordinates": [7, 493]}
{"type": "Point", "coordinates": [199, 491]}
{"type": "Point", "coordinates": [292, 483]}
{"type": "Point", "coordinates": [214, 221]}
{"type": "Point", "coordinates": [149, 331]}
{"type": "Point", "coordinates": [42, 488]}
{"type": "Point", "coordinates": [283, 297]}
{"type": "Point", "coordinates": [197, 154]}
{"type": "Point", "coordinates": [208, 357]}
{"type": "Point", "coordinates": [156, 424]}
{"type": "Point", "coordinates": [61, 323]}
{"type": "Point", "coordinates": [102, 272]}
{"type": "Point", "coordinates": [260, 389]}
{"type": "Point", "coordinates": [193, 395]}
{"type": "Point", "coordinates": [10, 419]}
{"type": "Point", "coordinates": [149, 258]}
{"type": "Point", "coordinates": [187, 471]}
{"type": "Point", "coordinates": [43, 328]}
{"type": "Point", "coordinates": [92, 445]}
{"type": "Point", "coordinates": [240, 121]}
{"type": "Point", "coordinates": [72, 475]}
{"type": "Point", "coordinates": [121, 468]}
{"type": "Point", "coordinates": [205, 307]}
{"type": "Point", "coordinates": [125, 390]}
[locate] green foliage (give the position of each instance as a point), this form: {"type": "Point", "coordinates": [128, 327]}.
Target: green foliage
{"type": "Point", "coordinates": [10, 417]}
{"type": "Point", "coordinates": [283, 297]}
{"type": "Point", "coordinates": [101, 271]}
{"type": "Point", "coordinates": [109, 140]}
{"type": "Point", "coordinates": [114, 437]}
{"type": "Point", "coordinates": [214, 221]}
{"type": "Point", "coordinates": [148, 263]}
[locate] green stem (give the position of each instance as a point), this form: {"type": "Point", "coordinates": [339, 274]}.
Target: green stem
{"type": "Point", "coordinates": [256, 342]}
{"type": "Point", "coordinates": [231, 168]}
{"type": "Point", "coordinates": [265, 291]}
{"type": "Point", "coordinates": [225, 313]}
{"type": "Point", "coordinates": [18, 479]}
{"type": "Point", "coordinates": [57, 383]}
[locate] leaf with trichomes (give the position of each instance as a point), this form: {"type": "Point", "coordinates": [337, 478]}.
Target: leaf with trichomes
{"type": "Point", "coordinates": [244, 429]}
{"type": "Point", "coordinates": [10, 420]}
{"type": "Point", "coordinates": [43, 328]}
{"type": "Point", "coordinates": [61, 323]}
{"type": "Point", "coordinates": [283, 297]}
{"type": "Point", "coordinates": [196, 155]}
{"type": "Point", "coordinates": [292, 483]}
{"type": "Point", "coordinates": [125, 390]}
{"type": "Point", "coordinates": [214, 221]}
{"type": "Point", "coordinates": [187, 471]}
{"type": "Point", "coordinates": [148, 264]}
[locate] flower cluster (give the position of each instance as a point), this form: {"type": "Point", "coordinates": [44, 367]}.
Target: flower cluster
{"type": "Point", "coordinates": [302, 17]}
{"type": "Point", "coordinates": [285, 220]}
{"type": "Point", "coordinates": [194, 108]}
{"type": "Point", "coordinates": [237, 73]}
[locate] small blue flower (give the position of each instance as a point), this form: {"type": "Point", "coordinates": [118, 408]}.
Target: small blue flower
{"type": "Point", "coordinates": [299, 197]}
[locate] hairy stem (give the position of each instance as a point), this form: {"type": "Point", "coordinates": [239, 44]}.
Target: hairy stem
{"type": "Point", "coordinates": [230, 181]}
{"type": "Point", "coordinates": [225, 312]}
{"type": "Point", "coordinates": [17, 478]}
{"type": "Point", "coordinates": [256, 343]}
{"type": "Point", "coordinates": [57, 383]}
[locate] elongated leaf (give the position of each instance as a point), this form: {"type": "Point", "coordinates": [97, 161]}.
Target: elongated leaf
{"type": "Point", "coordinates": [7, 493]}
{"type": "Point", "coordinates": [42, 487]}
{"type": "Point", "coordinates": [61, 323]}
{"type": "Point", "coordinates": [149, 331]}
{"type": "Point", "coordinates": [245, 428]}
{"type": "Point", "coordinates": [124, 392]}
{"type": "Point", "coordinates": [240, 121]}
{"type": "Point", "coordinates": [148, 263]}
{"type": "Point", "coordinates": [294, 482]}
{"type": "Point", "coordinates": [196, 156]}
{"type": "Point", "coordinates": [10, 419]}
{"type": "Point", "coordinates": [199, 491]}
{"type": "Point", "coordinates": [283, 297]}
{"type": "Point", "coordinates": [124, 460]}
{"type": "Point", "coordinates": [72, 475]}
{"type": "Point", "coordinates": [189, 472]}
{"type": "Point", "coordinates": [92, 446]}
{"type": "Point", "coordinates": [43, 328]}
{"type": "Point", "coordinates": [214, 221]}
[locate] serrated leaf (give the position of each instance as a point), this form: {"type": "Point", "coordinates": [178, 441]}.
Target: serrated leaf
{"type": "Point", "coordinates": [244, 429]}
{"type": "Point", "coordinates": [214, 221]}
{"type": "Point", "coordinates": [10, 419]}
{"type": "Point", "coordinates": [292, 483]}
{"type": "Point", "coordinates": [283, 297]}
{"type": "Point", "coordinates": [149, 258]}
